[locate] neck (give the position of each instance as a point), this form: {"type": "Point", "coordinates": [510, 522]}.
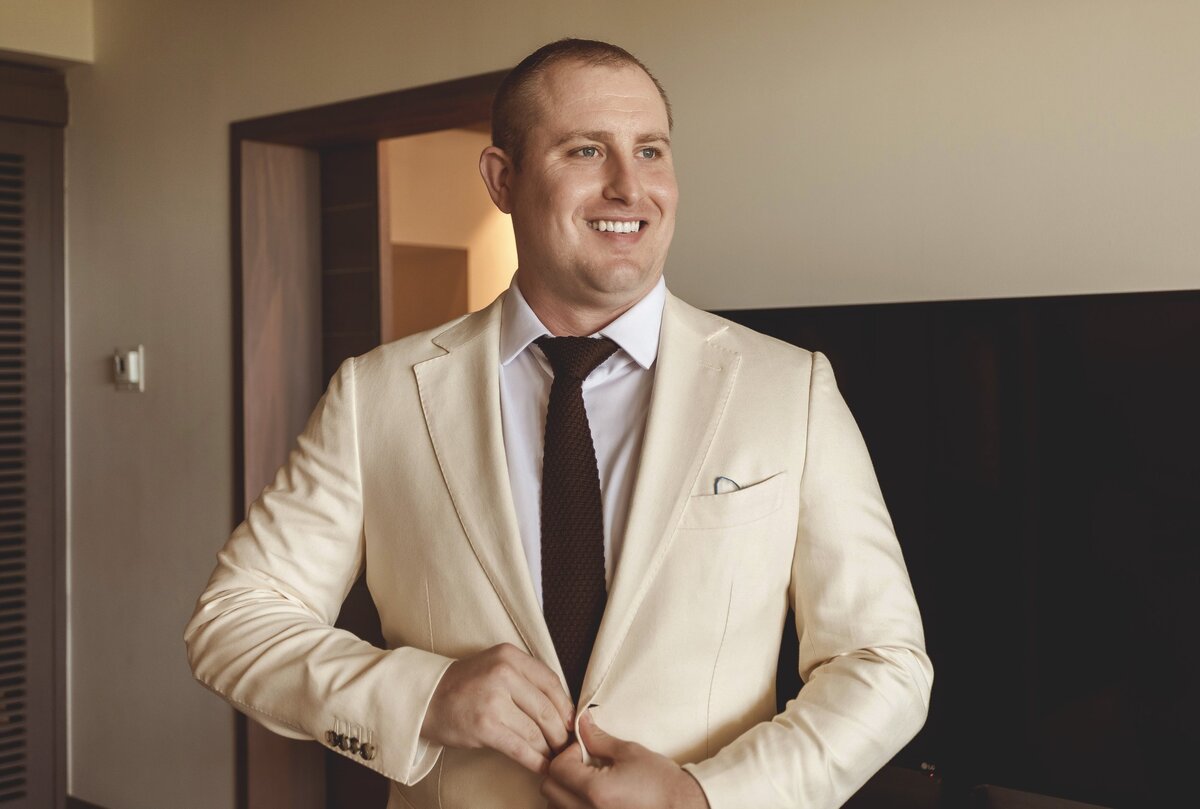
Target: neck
{"type": "Point", "coordinates": [574, 322]}
{"type": "Point", "coordinates": [563, 319]}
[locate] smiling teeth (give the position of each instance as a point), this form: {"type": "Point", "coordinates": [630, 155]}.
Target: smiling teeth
{"type": "Point", "coordinates": [615, 227]}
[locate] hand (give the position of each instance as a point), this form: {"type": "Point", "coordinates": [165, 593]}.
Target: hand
{"type": "Point", "coordinates": [503, 699]}
{"type": "Point", "coordinates": [632, 777]}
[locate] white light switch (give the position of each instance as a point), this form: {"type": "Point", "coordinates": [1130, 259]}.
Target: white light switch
{"type": "Point", "coordinates": [129, 369]}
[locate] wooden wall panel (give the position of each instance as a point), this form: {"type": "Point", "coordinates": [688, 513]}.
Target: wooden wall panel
{"type": "Point", "coordinates": [351, 257]}
{"type": "Point", "coordinates": [350, 252]}
{"type": "Point", "coordinates": [281, 382]}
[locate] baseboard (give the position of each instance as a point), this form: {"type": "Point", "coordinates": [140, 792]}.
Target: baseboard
{"type": "Point", "coordinates": [77, 803]}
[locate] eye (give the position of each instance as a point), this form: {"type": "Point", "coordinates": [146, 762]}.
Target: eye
{"type": "Point", "coordinates": [649, 152]}
{"type": "Point", "coordinates": [587, 151]}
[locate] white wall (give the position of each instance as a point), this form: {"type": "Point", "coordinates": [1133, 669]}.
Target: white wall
{"type": "Point", "coordinates": [438, 199]}
{"type": "Point", "coordinates": [46, 31]}
{"type": "Point", "coordinates": [839, 152]}
{"type": "Point", "coordinates": [829, 151]}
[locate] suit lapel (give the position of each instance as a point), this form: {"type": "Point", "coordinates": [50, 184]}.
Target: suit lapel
{"type": "Point", "coordinates": [692, 381]}
{"type": "Point", "coordinates": [460, 397]}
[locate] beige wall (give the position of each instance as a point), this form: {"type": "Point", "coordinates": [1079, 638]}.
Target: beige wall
{"type": "Point", "coordinates": [829, 151]}
{"type": "Point", "coordinates": [437, 198]}
{"type": "Point", "coordinates": [51, 31]}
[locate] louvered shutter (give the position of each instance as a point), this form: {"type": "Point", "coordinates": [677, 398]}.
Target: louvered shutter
{"type": "Point", "coordinates": [28, 219]}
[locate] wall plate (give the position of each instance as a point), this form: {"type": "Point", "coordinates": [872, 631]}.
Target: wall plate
{"type": "Point", "coordinates": [129, 369]}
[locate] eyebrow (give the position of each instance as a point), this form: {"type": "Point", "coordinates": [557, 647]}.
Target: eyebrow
{"type": "Point", "coordinates": [593, 134]}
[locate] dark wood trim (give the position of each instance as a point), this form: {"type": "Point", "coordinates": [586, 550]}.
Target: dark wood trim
{"type": "Point", "coordinates": [59, 462]}
{"type": "Point", "coordinates": [350, 253]}
{"type": "Point", "coordinates": [445, 105]}
{"type": "Point", "coordinates": [240, 745]}
{"type": "Point", "coordinates": [78, 803]}
{"type": "Point", "coordinates": [237, 304]}
{"type": "Point", "coordinates": [241, 774]}
{"type": "Point", "coordinates": [32, 95]}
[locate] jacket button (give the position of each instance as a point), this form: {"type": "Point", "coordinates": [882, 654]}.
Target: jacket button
{"type": "Point", "coordinates": [344, 742]}
{"type": "Point", "coordinates": [367, 751]}
{"type": "Point", "coordinates": [332, 738]}
{"type": "Point", "coordinates": [353, 744]}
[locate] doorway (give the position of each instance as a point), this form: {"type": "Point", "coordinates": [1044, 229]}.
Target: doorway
{"type": "Point", "coordinates": [314, 282]}
{"type": "Point", "coordinates": [452, 251]}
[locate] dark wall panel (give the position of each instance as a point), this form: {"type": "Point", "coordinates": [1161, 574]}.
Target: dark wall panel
{"type": "Point", "coordinates": [349, 252]}
{"type": "Point", "coordinates": [1040, 459]}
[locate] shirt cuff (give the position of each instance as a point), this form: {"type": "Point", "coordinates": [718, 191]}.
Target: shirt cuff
{"type": "Point", "coordinates": [425, 753]}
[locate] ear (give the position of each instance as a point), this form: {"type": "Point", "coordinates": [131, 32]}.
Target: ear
{"type": "Point", "coordinates": [496, 168]}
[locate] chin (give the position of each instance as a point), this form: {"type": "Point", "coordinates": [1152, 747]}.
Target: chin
{"type": "Point", "coordinates": [623, 291]}
{"type": "Point", "coordinates": [623, 278]}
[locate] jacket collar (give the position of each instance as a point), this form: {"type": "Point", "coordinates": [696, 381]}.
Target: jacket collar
{"type": "Point", "coordinates": [460, 399]}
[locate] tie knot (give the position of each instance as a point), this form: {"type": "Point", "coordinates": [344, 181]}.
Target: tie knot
{"type": "Point", "coordinates": [576, 357]}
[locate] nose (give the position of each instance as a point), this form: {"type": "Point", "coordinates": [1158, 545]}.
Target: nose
{"type": "Point", "coordinates": [623, 182]}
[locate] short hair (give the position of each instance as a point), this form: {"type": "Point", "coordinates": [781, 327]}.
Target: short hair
{"type": "Point", "coordinates": [515, 106]}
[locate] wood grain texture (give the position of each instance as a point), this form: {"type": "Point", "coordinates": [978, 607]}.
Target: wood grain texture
{"type": "Point", "coordinates": [281, 382]}
{"type": "Point", "coordinates": [444, 105]}
{"type": "Point", "coordinates": [350, 252]}
{"type": "Point", "coordinates": [281, 297]}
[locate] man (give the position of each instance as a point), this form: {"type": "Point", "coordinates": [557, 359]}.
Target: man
{"type": "Point", "coordinates": [714, 478]}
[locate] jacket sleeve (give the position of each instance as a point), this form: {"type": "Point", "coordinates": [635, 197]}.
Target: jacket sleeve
{"type": "Point", "coordinates": [862, 656]}
{"type": "Point", "coordinates": [262, 635]}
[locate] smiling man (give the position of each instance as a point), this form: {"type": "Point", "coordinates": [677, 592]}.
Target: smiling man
{"type": "Point", "coordinates": [588, 494]}
{"type": "Point", "coordinates": [591, 187]}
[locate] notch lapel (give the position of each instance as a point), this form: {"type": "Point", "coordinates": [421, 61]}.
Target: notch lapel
{"type": "Point", "coordinates": [460, 397]}
{"type": "Point", "coordinates": [692, 381]}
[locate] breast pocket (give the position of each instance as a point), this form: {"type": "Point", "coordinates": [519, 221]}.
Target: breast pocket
{"type": "Point", "coordinates": [742, 507]}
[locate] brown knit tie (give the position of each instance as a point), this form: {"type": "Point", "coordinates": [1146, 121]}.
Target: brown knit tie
{"type": "Point", "coordinates": [573, 589]}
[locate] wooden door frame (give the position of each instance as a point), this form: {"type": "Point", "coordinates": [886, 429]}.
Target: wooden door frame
{"type": "Point", "coordinates": [429, 108]}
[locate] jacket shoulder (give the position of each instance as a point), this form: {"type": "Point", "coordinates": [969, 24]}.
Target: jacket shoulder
{"type": "Point", "coordinates": [753, 346]}
{"type": "Point", "coordinates": [402, 354]}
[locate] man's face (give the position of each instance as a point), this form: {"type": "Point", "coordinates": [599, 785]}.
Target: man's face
{"type": "Point", "coordinates": [593, 202]}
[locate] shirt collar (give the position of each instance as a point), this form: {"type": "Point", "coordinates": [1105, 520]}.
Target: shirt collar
{"type": "Point", "coordinates": [636, 331]}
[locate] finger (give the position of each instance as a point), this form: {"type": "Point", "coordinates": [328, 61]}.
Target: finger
{"type": "Point", "coordinates": [598, 742]}
{"type": "Point", "coordinates": [508, 743]}
{"type": "Point", "coordinates": [546, 681]}
{"type": "Point", "coordinates": [535, 705]}
{"type": "Point", "coordinates": [509, 671]}
{"type": "Point", "coordinates": [561, 797]}
{"type": "Point", "coordinates": [515, 720]}
{"type": "Point", "coordinates": [567, 770]}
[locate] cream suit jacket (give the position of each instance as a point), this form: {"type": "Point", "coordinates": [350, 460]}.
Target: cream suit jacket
{"type": "Point", "coordinates": [402, 469]}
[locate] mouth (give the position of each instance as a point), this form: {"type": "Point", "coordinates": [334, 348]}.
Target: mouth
{"type": "Point", "coordinates": [617, 225]}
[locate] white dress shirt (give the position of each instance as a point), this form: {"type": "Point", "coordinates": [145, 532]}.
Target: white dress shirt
{"type": "Point", "coordinates": [616, 396]}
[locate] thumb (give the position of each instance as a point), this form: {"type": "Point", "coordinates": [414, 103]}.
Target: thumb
{"type": "Point", "coordinates": [597, 742]}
